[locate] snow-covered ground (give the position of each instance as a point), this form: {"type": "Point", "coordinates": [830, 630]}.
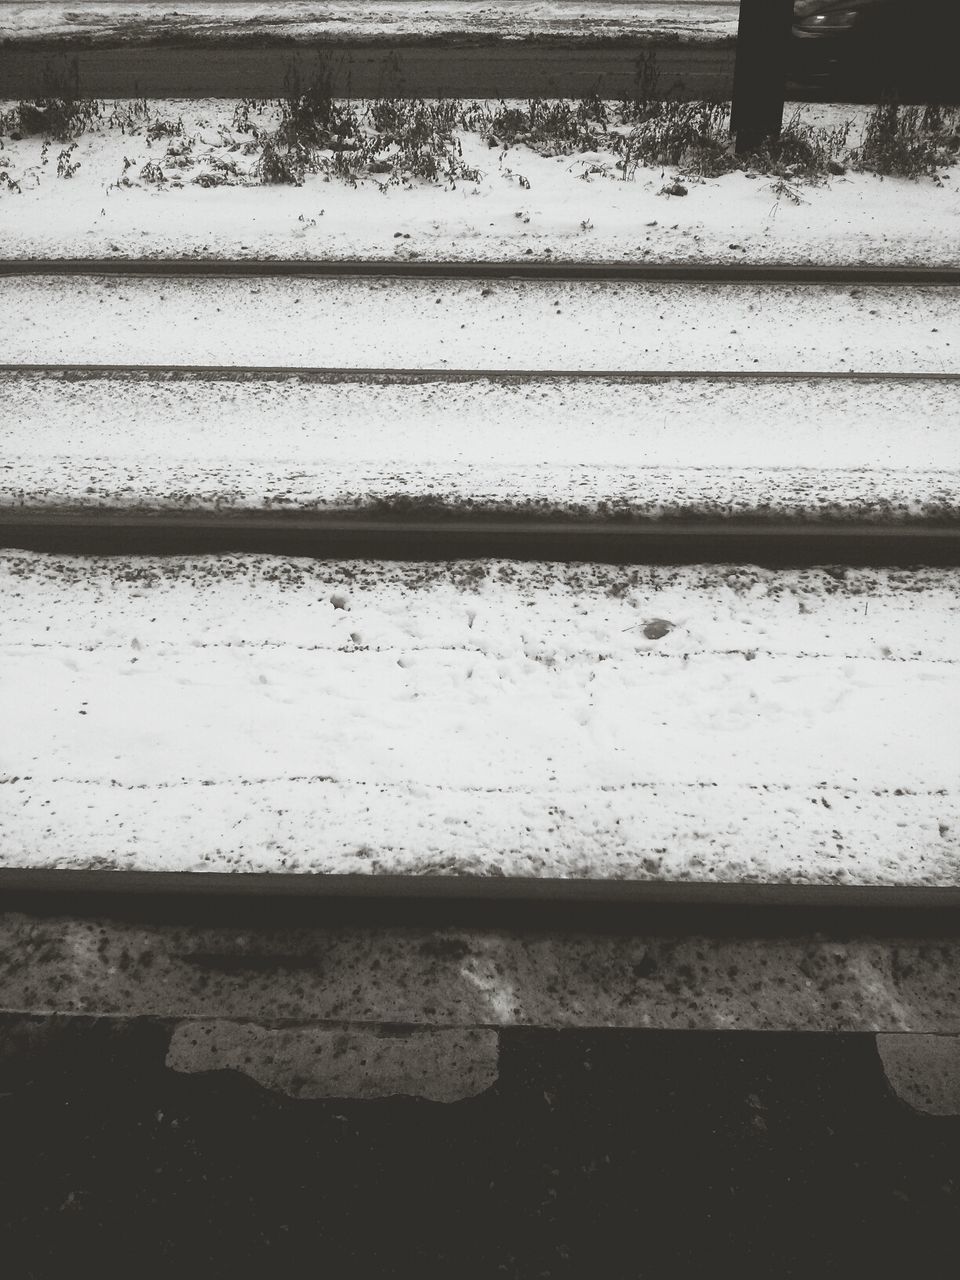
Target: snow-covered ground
{"type": "Point", "coordinates": [575, 207]}
{"type": "Point", "coordinates": [715, 447]}
{"type": "Point", "coordinates": [302, 19]}
{"type": "Point", "coordinates": [385, 323]}
{"type": "Point", "coordinates": [255, 713]}
{"type": "Point", "coordinates": [250, 713]}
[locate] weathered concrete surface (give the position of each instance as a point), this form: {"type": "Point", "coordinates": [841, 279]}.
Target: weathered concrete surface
{"type": "Point", "coordinates": [348, 1062]}
{"type": "Point", "coordinates": [473, 978]}
{"type": "Point", "coordinates": [923, 1071]}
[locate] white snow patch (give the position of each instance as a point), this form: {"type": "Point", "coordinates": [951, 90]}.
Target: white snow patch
{"type": "Point", "coordinates": [874, 449]}
{"type": "Point", "coordinates": [255, 713]}
{"type": "Point", "coordinates": [576, 207]}
{"type": "Point", "coordinates": [422, 324]}
{"type": "Point", "coordinates": [302, 19]}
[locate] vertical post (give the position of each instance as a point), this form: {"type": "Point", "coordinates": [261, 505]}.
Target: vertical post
{"type": "Point", "coordinates": [760, 71]}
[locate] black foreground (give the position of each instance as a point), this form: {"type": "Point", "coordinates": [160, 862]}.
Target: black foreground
{"type": "Point", "coordinates": [602, 1153]}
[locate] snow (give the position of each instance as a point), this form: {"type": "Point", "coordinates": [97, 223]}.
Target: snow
{"type": "Point", "coordinates": [305, 20]}
{"type": "Point", "coordinates": [461, 324]}
{"type": "Point", "coordinates": [577, 207]}
{"type": "Point", "coordinates": [252, 713]}
{"type": "Point", "coordinates": [248, 713]}
{"type": "Point", "coordinates": [881, 450]}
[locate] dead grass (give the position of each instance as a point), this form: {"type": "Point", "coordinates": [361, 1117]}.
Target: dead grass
{"type": "Point", "coordinates": [392, 141]}
{"type": "Point", "coordinates": [909, 141]}
{"type": "Point", "coordinates": [550, 127]}
{"type": "Point", "coordinates": [401, 142]}
{"type": "Point", "coordinates": [55, 119]}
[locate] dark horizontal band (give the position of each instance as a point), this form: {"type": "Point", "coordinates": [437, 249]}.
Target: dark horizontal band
{"type": "Point", "coordinates": [485, 901]}
{"type": "Point", "coordinates": [237, 373]}
{"type": "Point", "coordinates": [491, 535]}
{"type": "Point", "coordinates": [538, 269]}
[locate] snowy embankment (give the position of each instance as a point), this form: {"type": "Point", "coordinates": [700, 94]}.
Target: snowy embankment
{"type": "Point", "coordinates": [714, 448]}
{"type": "Point", "coordinates": [133, 21]}
{"type": "Point", "coordinates": [254, 713]}
{"type": "Point", "coordinates": [181, 181]}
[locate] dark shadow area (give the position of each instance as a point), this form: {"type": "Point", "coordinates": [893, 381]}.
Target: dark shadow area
{"type": "Point", "coordinates": [606, 1154]}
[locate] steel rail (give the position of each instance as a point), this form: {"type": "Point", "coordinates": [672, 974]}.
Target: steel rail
{"type": "Point", "coordinates": [470, 900]}
{"type": "Point", "coordinates": [316, 373]}
{"type": "Point", "coordinates": [484, 901]}
{"type": "Point", "coordinates": [490, 535]}
{"type": "Point", "coordinates": [641, 272]}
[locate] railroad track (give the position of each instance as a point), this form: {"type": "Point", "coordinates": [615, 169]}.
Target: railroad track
{"type": "Point", "coordinates": [514, 269]}
{"type": "Point", "coordinates": [72, 523]}
{"type": "Point", "coordinates": [232, 540]}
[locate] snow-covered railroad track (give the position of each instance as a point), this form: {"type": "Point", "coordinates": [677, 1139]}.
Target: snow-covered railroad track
{"type": "Point", "coordinates": [464, 715]}
{"type": "Point", "coordinates": [463, 324]}
{"type": "Point", "coordinates": [616, 467]}
{"type": "Point", "coordinates": [704, 724]}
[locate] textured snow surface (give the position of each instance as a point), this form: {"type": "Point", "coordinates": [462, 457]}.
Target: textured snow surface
{"type": "Point", "coordinates": [256, 713]}
{"type": "Point", "coordinates": [506, 324]}
{"type": "Point", "coordinates": [300, 19]}
{"type": "Point", "coordinates": [654, 448]}
{"type": "Point", "coordinates": [576, 207]}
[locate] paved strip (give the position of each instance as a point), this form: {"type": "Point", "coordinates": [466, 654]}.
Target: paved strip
{"type": "Point", "coordinates": [420, 324]}
{"type": "Point", "coordinates": [471, 67]}
{"type": "Point", "coordinates": [648, 976]}
{"type": "Point", "coordinates": [431, 50]}
{"type": "Point", "coordinates": [415, 269]}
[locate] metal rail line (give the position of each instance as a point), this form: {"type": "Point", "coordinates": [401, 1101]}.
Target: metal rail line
{"type": "Point", "coordinates": [488, 902]}
{"type": "Point", "coordinates": [494, 535]}
{"type": "Point", "coordinates": [540, 269]}
{"type": "Point", "coordinates": [485, 902]}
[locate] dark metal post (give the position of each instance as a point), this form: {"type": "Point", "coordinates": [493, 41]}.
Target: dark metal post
{"type": "Point", "coordinates": [760, 73]}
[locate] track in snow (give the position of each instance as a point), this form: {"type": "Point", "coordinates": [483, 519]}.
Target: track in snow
{"type": "Point", "coordinates": [70, 344]}
{"type": "Point", "coordinates": [528, 445]}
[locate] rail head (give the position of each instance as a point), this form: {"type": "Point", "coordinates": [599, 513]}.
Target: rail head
{"type": "Point", "coordinates": [542, 268]}
{"type": "Point", "coordinates": [527, 905]}
{"type": "Point", "coordinates": [495, 535]}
